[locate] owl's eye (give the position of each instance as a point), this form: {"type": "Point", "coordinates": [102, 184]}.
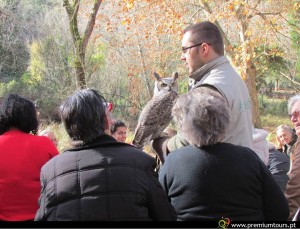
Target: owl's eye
{"type": "Point", "coordinates": [173, 84]}
{"type": "Point", "coordinates": [163, 84]}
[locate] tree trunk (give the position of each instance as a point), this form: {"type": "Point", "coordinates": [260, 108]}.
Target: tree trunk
{"type": "Point", "coordinates": [277, 85]}
{"type": "Point", "coordinates": [80, 75]}
{"type": "Point", "coordinates": [250, 81]}
{"type": "Point", "coordinates": [249, 70]}
{"type": "Point", "coordinates": [80, 41]}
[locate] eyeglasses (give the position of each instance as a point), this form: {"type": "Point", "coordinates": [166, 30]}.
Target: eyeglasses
{"type": "Point", "coordinates": [296, 114]}
{"type": "Point", "coordinates": [184, 49]}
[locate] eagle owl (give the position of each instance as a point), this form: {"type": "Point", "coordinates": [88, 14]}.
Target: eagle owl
{"type": "Point", "coordinates": [156, 115]}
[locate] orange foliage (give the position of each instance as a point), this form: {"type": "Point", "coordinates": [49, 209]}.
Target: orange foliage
{"type": "Point", "coordinates": [146, 33]}
{"type": "Point", "coordinates": [143, 33]}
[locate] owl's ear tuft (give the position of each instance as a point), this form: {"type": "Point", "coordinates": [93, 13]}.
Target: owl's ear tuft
{"type": "Point", "coordinates": [157, 76]}
{"type": "Point", "coordinates": [175, 75]}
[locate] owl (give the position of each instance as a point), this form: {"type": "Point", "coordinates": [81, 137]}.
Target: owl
{"type": "Point", "coordinates": [156, 115]}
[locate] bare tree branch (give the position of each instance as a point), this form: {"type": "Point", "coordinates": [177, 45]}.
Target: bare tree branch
{"type": "Point", "coordinates": [91, 23]}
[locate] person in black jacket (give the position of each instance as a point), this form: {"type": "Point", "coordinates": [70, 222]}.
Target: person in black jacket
{"type": "Point", "coordinates": [279, 165]}
{"type": "Point", "coordinates": [100, 178]}
{"type": "Point", "coordinates": [210, 179]}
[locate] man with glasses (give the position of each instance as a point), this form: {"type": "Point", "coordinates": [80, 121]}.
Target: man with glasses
{"type": "Point", "coordinates": [292, 191]}
{"type": "Point", "coordinates": [203, 55]}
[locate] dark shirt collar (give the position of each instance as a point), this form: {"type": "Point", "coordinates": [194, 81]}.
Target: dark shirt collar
{"type": "Point", "coordinates": [103, 141]}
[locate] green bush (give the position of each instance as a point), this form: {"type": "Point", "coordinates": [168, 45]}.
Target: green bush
{"type": "Point", "coordinates": [273, 113]}
{"type": "Point", "coordinates": [277, 107]}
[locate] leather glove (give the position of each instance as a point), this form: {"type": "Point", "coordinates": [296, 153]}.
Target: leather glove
{"type": "Point", "coordinates": [159, 145]}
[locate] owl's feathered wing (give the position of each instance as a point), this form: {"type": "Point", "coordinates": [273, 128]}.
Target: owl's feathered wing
{"type": "Point", "coordinates": [154, 118]}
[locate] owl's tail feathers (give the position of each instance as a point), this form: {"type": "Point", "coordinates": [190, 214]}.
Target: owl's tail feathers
{"type": "Point", "coordinates": [137, 145]}
{"type": "Point", "coordinates": [142, 142]}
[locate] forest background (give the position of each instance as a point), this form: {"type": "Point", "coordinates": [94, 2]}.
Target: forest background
{"type": "Point", "coordinates": [50, 48]}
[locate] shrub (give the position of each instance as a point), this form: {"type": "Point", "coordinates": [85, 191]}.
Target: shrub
{"type": "Point", "coordinates": [277, 107]}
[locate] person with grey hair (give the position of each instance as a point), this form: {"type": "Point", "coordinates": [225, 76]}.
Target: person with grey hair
{"type": "Point", "coordinates": [292, 191]}
{"type": "Point", "coordinates": [100, 178]}
{"type": "Point", "coordinates": [210, 179]}
{"type": "Point", "coordinates": [203, 55]}
{"type": "Point", "coordinates": [286, 138]}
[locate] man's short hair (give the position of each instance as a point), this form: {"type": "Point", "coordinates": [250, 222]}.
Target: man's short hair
{"type": "Point", "coordinates": [84, 115]}
{"type": "Point", "coordinates": [207, 32]}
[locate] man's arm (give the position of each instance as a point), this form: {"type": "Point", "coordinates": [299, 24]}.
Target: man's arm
{"type": "Point", "coordinates": [292, 192]}
{"type": "Point", "coordinates": [164, 145]}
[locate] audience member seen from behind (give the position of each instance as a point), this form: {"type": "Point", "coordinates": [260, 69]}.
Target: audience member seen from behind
{"type": "Point", "coordinates": [277, 162]}
{"type": "Point", "coordinates": [260, 144]}
{"type": "Point", "coordinates": [292, 192]}
{"type": "Point", "coordinates": [210, 179]}
{"type": "Point", "coordinates": [203, 55]}
{"type": "Point", "coordinates": [50, 134]}
{"type": "Point", "coordinates": [100, 178]}
{"type": "Point", "coordinates": [279, 165]}
{"type": "Point", "coordinates": [22, 156]}
{"type": "Point", "coordinates": [118, 130]}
